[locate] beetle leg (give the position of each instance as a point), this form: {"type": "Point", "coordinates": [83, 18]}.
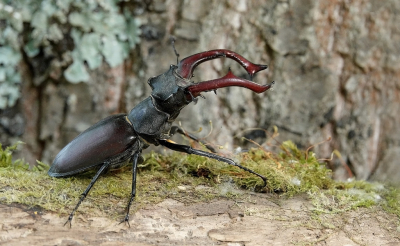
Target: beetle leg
{"type": "Point", "coordinates": [177, 129]}
{"type": "Point", "coordinates": [190, 150]}
{"type": "Point", "coordinates": [84, 194]}
{"type": "Point", "coordinates": [135, 159]}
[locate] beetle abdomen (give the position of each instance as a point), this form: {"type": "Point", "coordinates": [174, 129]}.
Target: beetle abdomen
{"type": "Point", "coordinates": [112, 139]}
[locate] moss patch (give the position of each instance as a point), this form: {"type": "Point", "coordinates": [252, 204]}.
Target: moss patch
{"type": "Point", "coordinates": [189, 179]}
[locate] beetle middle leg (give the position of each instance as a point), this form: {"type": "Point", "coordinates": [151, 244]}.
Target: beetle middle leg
{"type": "Point", "coordinates": [190, 150]}
{"type": "Point", "coordinates": [135, 160]}
{"type": "Point", "coordinates": [177, 129]}
{"type": "Point", "coordinates": [84, 194]}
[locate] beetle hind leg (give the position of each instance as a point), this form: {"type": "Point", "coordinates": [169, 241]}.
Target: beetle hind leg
{"type": "Point", "coordinates": [102, 169]}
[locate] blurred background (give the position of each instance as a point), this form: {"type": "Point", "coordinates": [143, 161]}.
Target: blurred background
{"type": "Point", "coordinates": [66, 64]}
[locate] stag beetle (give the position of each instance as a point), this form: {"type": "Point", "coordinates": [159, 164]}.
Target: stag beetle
{"type": "Point", "coordinates": [119, 139]}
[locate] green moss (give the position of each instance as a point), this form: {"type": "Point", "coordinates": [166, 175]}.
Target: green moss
{"type": "Point", "coordinates": [190, 178]}
{"type": "Point", "coordinates": [391, 200]}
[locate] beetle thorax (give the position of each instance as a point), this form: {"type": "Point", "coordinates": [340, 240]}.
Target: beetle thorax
{"type": "Point", "coordinates": [152, 118]}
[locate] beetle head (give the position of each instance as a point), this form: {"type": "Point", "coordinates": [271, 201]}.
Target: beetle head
{"type": "Point", "coordinates": [165, 85]}
{"type": "Point", "coordinates": [173, 89]}
{"type": "Point", "coordinates": [168, 91]}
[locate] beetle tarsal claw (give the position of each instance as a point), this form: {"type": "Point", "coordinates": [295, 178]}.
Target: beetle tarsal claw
{"type": "Point", "coordinates": [126, 220]}
{"type": "Point", "coordinates": [69, 220]}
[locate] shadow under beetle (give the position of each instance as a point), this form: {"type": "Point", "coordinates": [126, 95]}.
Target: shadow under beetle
{"type": "Point", "coordinates": [119, 139]}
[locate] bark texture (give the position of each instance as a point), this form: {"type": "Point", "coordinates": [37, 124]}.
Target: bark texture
{"type": "Point", "coordinates": [336, 65]}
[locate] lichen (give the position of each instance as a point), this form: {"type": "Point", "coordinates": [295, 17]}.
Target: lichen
{"type": "Point", "coordinates": [102, 30]}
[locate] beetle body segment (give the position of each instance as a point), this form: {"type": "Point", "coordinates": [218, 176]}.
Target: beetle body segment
{"type": "Point", "coordinates": [147, 120]}
{"type": "Point", "coordinates": [167, 84]}
{"type": "Point", "coordinates": [112, 139]}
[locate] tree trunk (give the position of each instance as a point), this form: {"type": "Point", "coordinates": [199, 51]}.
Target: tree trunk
{"type": "Point", "coordinates": [335, 63]}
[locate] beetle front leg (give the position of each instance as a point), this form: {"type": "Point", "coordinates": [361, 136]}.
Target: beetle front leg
{"type": "Point", "coordinates": [190, 150]}
{"type": "Point", "coordinates": [133, 191]}
{"type": "Point", "coordinates": [84, 194]}
{"type": "Point", "coordinates": [177, 129]}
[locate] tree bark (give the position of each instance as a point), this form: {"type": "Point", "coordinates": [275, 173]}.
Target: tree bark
{"type": "Point", "coordinates": [335, 63]}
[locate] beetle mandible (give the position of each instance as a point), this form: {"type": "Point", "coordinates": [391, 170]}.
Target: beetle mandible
{"type": "Point", "coordinates": [119, 139]}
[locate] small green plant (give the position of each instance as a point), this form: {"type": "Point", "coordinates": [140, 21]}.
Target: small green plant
{"type": "Point", "coordinates": [6, 161]}
{"type": "Point", "coordinates": [101, 30]}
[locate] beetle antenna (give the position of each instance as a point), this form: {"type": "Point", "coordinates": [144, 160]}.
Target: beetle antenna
{"type": "Point", "coordinates": [173, 46]}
